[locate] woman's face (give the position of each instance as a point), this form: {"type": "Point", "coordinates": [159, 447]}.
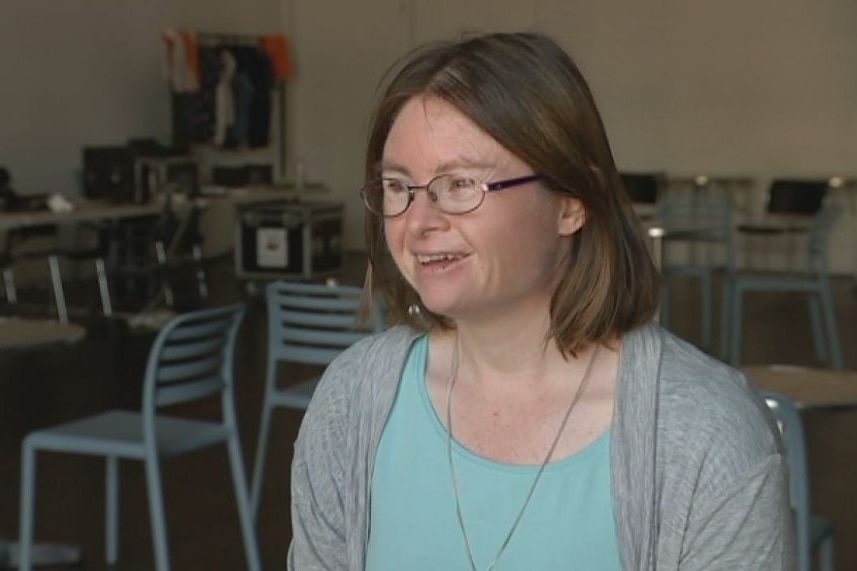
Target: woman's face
{"type": "Point", "coordinates": [505, 255]}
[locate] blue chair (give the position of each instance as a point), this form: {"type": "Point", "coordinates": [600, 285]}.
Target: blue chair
{"type": "Point", "coordinates": [691, 218]}
{"type": "Point", "coordinates": [815, 281]}
{"type": "Point", "coordinates": [307, 324]}
{"type": "Point", "coordinates": [191, 359]}
{"type": "Point", "coordinates": [813, 531]}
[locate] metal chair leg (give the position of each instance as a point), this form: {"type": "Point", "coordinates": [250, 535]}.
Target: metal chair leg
{"type": "Point", "coordinates": [737, 301]}
{"type": "Point", "coordinates": [202, 280]}
{"type": "Point", "coordinates": [818, 340]}
{"type": "Point", "coordinates": [28, 505]}
{"type": "Point", "coordinates": [111, 521]}
{"type": "Point", "coordinates": [245, 515]}
{"type": "Point", "coordinates": [59, 296]}
{"type": "Point", "coordinates": [706, 312]}
{"type": "Point", "coordinates": [103, 289]}
{"type": "Point", "coordinates": [261, 453]}
{"type": "Point", "coordinates": [9, 283]}
{"type": "Point", "coordinates": [161, 256]}
{"type": "Point", "coordinates": [156, 511]}
{"type": "Point", "coordinates": [834, 344]}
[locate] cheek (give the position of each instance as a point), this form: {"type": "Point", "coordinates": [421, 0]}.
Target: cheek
{"type": "Point", "coordinates": [394, 234]}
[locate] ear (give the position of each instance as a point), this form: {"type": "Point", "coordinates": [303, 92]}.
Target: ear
{"type": "Point", "coordinates": [572, 215]}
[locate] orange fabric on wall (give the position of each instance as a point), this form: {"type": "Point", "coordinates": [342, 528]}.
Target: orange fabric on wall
{"type": "Point", "coordinates": [277, 48]}
{"type": "Point", "coordinates": [192, 55]}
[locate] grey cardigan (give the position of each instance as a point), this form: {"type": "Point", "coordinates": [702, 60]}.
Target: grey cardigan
{"type": "Point", "coordinates": [699, 477]}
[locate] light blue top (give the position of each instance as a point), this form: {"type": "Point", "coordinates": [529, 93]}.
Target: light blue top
{"type": "Point", "coordinates": [413, 524]}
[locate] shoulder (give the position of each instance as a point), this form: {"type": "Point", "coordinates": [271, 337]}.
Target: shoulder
{"type": "Point", "coordinates": [711, 422]}
{"type": "Point", "coordinates": [360, 383]}
{"type": "Point", "coordinates": [371, 364]}
{"type": "Point", "coordinates": [707, 397]}
{"type": "Point", "coordinates": [705, 411]}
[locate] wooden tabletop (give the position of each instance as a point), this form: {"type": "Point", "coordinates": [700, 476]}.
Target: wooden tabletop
{"type": "Point", "coordinates": [810, 388]}
{"type": "Point", "coordinates": [20, 332]}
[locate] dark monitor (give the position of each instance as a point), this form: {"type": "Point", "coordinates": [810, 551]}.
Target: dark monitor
{"type": "Point", "coordinates": [108, 173]}
{"type": "Point", "coordinates": [789, 196]}
{"type": "Point", "coordinates": [642, 188]}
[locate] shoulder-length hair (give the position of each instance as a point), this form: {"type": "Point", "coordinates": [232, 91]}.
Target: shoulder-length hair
{"type": "Point", "coordinates": [526, 92]}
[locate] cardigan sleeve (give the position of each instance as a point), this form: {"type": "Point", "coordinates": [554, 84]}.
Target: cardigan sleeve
{"type": "Point", "coordinates": [748, 526]}
{"type": "Point", "coordinates": [317, 481]}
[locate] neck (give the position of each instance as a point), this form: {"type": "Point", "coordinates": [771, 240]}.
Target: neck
{"type": "Point", "coordinates": [509, 357]}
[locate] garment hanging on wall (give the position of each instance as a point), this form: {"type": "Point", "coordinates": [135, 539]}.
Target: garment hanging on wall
{"type": "Point", "coordinates": [222, 93]}
{"type": "Point", "coordinates": [224, 111]}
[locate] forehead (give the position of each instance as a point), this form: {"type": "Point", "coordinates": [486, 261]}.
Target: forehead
{"type": "Point", "coordinates": [430, 132]}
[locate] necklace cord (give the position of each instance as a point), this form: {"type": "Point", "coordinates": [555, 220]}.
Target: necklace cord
{"type": "Point", "coordinates": [455, 487]}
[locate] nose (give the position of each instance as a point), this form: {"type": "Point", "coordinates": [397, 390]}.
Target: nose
{"type": "Point", "coordinates": [423, 214]}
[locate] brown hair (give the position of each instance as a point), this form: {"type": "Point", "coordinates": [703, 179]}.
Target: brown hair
{"type": "Point", "coordinates": [525, 91]}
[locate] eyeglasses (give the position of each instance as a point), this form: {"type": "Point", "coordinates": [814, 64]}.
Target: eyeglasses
{"type": "Point", "coordinates": [452, 194]}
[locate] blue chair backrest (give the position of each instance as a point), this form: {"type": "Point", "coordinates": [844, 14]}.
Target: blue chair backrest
{"type": "Point", "coordinates": [701, 216]}
{"type": "Point", "coordinates": [312, 323]}
{"type": "Point", "coordinates": [818, 238]}
{"type": "Point", "coordinates": [192, 357]}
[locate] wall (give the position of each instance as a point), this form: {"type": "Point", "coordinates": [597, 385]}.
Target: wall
{"type": "Point", "coordinates": [90, 72]}
{"type": "Point", "coordinates": [761, 88]}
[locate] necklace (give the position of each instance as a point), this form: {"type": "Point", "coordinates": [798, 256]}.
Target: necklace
{"type": "Point", "coordinates": [455, 492]}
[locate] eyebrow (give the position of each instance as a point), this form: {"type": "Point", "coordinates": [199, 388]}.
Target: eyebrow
{"type": "Point", "coordinates": [441, 168]}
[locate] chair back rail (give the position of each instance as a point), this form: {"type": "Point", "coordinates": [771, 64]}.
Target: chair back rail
{"type": "Point", "coordinates": [192, 357]}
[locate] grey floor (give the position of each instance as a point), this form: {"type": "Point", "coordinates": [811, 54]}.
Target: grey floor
{"type": "Point", "coordinates": [39, 387]}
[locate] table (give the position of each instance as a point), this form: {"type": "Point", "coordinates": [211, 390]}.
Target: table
{"type": "Point", "coordinates": [25, 333]}
{"type": "Point", "coordinates": [658, 233]}
{"type": "Point", "coordinates": [809, 388]}
{"type": "Point", "coordinates": [84, 211]}
{"type": "Point", "coordinates": [18, 332]}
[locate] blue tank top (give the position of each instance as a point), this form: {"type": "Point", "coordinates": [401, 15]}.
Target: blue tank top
{"type": "Point", "coordinates": [569, 523]}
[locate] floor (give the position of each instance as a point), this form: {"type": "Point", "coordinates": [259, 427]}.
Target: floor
{"type": "Point", "coordinates": [39, 387]}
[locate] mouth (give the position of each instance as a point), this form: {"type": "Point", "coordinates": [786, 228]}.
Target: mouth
{"type": "Point", "coordinates": [438, 261]}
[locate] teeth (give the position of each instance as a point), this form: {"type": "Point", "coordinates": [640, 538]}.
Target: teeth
{"type": "Point", "coordinates": [428, 258]}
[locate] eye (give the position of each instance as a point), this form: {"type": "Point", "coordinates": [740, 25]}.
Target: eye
{"type": "Point", "coordinates": [393, 186]}
{"type": "Point", "coordinates": [460, 186]}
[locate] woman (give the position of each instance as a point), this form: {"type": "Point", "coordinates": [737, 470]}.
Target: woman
{"type": "Point", "coordinates": [524, 414]}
